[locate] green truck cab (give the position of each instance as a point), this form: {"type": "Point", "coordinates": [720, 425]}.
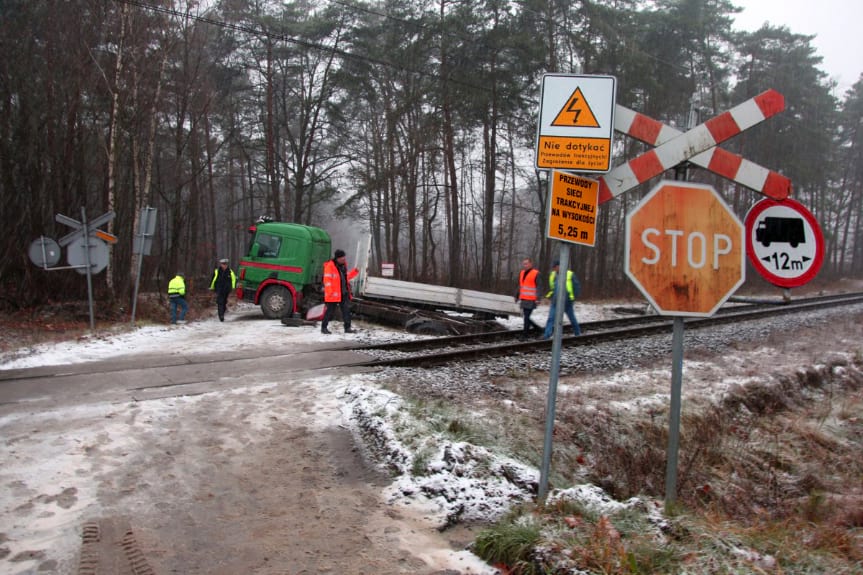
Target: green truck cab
{"type": "Point", "coordinates": [282, 270]}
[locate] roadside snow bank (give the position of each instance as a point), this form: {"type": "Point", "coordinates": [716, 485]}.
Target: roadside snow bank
{"type": "Point", "coordinates": [454, 480]}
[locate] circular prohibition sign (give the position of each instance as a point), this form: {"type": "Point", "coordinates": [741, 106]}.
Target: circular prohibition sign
{"type": "Point", "coordinates": [784, 242]}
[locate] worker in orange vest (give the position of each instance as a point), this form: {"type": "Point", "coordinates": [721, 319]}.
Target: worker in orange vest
{"type": "Point", "coordinates": [337, 290]}
{"type": "Point", "coordinates": [528, 295]}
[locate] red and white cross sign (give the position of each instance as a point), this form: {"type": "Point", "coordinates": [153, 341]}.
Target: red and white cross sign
{"type": "Point", "coordinates": [722, 162]}
{"type": "Point", "coordinates": [689, 144]}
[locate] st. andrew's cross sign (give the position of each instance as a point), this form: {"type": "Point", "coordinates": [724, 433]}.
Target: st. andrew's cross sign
{"type": "Point", "coordinates": [721, 162]}
{"type": "Point", "coordinates": [674, 147]}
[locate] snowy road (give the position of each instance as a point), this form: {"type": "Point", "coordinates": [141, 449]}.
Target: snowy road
{"type": "Point", "coordinates": [221, 446]}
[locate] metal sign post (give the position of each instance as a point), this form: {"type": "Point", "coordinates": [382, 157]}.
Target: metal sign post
{"type": "Point", "coordinates": [674, 411]}
{"type": "Point", "coordinates": [554, 372]}
{"type": "Point", "coordinates": [574, 132]}
{"type": "Point", "coordinates": [571, 219]}
{"type": "Point", "coordinates": [86, 253]}
{"type": "Point", "coordinates": [142, 246]}
{"type": "Point", "coordinates": [89, 266]}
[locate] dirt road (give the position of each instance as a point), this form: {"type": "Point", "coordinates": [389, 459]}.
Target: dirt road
{"type": "Point", "coordinates": [176, 477]}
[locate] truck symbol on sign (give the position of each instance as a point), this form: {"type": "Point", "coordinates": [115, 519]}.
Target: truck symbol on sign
{"type": "Point", "coordinates": [781, 230]}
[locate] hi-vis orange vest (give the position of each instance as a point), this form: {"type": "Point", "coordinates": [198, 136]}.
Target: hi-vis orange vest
{"type": "Point", "coordinates": [333, 283]}
{"type": "Point", "coordinates": [527, 285]}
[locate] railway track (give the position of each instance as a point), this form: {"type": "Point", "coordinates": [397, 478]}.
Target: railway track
{"type": "Point", "coordinates": [475, 347]}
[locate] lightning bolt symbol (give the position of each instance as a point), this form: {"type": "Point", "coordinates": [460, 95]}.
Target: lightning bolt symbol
{"type": "Point", "coordinates": [571, 108]}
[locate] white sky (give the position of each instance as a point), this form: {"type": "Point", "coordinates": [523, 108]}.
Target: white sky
{"type": "Point", "coordinates": [836, 25]}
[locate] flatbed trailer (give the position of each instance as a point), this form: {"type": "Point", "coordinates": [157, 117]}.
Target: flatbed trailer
{"type": "Point", "coordinates": [414, 319]}
{"type": "Point", "coordinates": [425, 308]}
{"type": "Point", "coordinates": [430, 309]}
{"type": "Point", "coordinates": [438, 297]}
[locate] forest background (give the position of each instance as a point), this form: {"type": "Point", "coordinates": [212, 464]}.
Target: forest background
{"type": "Point", "coordinates": [411, 120]}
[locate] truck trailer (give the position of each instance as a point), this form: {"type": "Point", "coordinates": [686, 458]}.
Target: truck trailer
{"type": "Point", "coordinates": [282, 272]}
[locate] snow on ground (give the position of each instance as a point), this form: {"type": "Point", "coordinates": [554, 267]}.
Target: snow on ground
{"type": "Point", "coordinates": [214, 337]}
{"type": "Point", "coordinates": [447, 491]}
{"type": "Point", "coordinates": [209, 335]}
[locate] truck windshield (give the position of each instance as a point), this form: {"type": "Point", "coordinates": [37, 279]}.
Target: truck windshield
{"type": "Point", "coordinates": [268, 245]}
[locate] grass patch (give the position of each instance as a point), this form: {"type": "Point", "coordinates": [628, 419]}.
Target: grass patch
{"type": "Point", "coordinates": [419, 465]}
{"type": "Point", "coordinates": [768, 476]}
{"type": "Point", "coordinates": [511, 543]}
{"type": "Point", "coordinates": [768, 482]}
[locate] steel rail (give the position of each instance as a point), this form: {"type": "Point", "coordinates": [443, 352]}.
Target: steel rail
{"type": "Point", "coordinates": [600, 332]}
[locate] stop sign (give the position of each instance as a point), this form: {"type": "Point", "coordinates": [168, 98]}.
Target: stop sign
{"type": "Point", "coordinates": [685, 249]}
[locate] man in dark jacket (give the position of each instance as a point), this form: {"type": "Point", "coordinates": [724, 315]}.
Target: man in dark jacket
{"type": "Point", "coordinates": [223, 283]}
{"type": "Point", "coordinates": [337, 290]}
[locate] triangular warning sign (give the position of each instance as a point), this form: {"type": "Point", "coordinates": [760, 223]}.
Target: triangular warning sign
{"type": "Point", "coordinates": [576, 112]}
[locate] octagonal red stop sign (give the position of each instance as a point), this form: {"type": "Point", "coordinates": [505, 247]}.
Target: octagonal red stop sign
{"type": "Point", "coordinates": [685, 249]}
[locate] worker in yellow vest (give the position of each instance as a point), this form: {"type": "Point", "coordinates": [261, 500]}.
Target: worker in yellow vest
{"type": "Point", "coordinates": [573, 290]}
{"type": "Point", "coordinates": [177, 298]}
{"type": "Point", "coordinates": [223, 283]}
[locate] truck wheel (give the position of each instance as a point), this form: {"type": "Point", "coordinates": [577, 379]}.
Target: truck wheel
{"type": "Point", "coordinates": [425, 326]}
{"type": "Point", "coordinates": [277, 302]}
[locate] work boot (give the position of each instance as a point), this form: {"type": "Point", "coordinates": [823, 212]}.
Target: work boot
{"type": "Point", "coordinates": [325, 331]}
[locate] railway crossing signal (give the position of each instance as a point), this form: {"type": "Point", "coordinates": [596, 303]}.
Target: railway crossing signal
{"type": "Point", "coordinates": [684, 246]}
{"type": "Point", "coordinates": [721, 162]}
{"type": "Point", "coordinates": [86, 229]}
{"type": "Point", "coordinates": [686, 146]}
{"type": "Point", "coordinates": [86, 250]}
